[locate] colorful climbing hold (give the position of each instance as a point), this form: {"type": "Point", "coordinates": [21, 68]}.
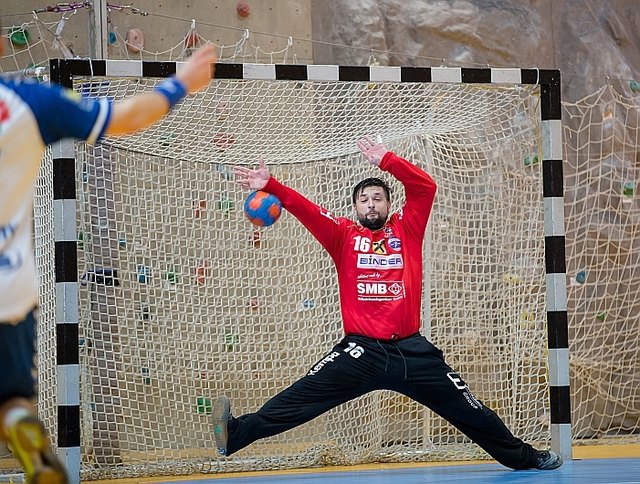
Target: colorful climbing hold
{"type": "Point", "coordinates": [19, 36]}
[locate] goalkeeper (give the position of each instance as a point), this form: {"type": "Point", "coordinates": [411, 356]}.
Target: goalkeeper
{"type": "Point", "coordinates": [379, 265]}
{"type": "Point", "coordinates": [33, 116]}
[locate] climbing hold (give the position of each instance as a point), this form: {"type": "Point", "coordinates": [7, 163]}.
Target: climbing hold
{"type": "Point", "coordinates": [629, 189]}
{"type": "Point", "coordinates": [204, 405]}
{"type": "Point", "coordinates": [222, 109]}
{"type": "Point", "coordinates": [223, 141]}
{"type": "Point", "coordinates": [19, 36]}
{"type": "Point", "coordinates": [201, 272]}
{"type": "Point", "coordinates": [171, 276]}
{"type": "Point", "coordinates": [255, 238]}
{"type": "Point", "coordinates": [199, 207]}
{"type": "Point", "coordinates": [243, 9]}
{"type": "Point", "coordinates": [531, 160]}
{"type": "Point", "coordinates": [144, 273]}
{"type": "Point", "coordinates": [135, 40]}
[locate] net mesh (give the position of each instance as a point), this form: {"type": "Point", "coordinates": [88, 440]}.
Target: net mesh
{"type": "Point", "coordinates": [602, 170]}
{"type": "Point", "coordinates": [182, 299]}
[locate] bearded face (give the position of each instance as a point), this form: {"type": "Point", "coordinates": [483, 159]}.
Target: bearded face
{"type": "Point", "coordinates": [372, 207]}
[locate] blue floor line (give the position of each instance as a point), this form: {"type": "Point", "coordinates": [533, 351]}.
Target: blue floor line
{"type": "Point", "coordinates": [590, 471]}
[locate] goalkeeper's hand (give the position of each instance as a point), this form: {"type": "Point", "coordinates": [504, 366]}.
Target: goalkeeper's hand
{"type": "Point", "coordinates": [252, 179]}
{"type": "Point", "coordinates": [372, 151]}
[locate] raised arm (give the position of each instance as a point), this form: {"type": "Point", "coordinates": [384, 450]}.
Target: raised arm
{"type": "Point", "coordinates": [141, 111]}
{"type": "Point", "coordinates": [419, 187]}
{"type": "Point", "coordinates": [322, 225]}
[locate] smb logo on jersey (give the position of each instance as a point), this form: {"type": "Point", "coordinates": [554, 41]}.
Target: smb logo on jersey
{"type": "Point", "coordinates": [380, 290]}
{"type": "Point", "coordinates": [380, 262]}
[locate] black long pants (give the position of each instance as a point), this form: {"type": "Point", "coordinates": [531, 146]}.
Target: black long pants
{"type": "Point", "coordinates": [357, 365]}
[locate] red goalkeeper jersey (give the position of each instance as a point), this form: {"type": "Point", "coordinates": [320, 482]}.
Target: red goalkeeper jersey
{"type": "Point", "coordinates": [379, 271]}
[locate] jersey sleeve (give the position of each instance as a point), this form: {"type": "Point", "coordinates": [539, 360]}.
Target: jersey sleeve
{"type": "Point", "coordinates": [63, 113]}
{"type": "Point", "coordinates": [327, 229]}
{"type": "Point", "coordinates": [419, 188]}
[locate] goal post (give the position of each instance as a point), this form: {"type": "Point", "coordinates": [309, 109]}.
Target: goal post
{"type": "Point", "coordinates": [163, 296]}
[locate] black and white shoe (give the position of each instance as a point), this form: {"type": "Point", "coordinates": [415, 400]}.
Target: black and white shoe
{"type": "Point", "coordinates": [221, 413]}
{"type": "Point", "coordinates": [547, 460]}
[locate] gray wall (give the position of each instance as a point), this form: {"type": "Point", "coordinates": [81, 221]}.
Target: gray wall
{"type": "Point", "coordinates": [270, 25]}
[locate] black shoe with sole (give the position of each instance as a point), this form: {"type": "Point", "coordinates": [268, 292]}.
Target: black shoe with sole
{"type": "Point", "coordinates": [547, 460]}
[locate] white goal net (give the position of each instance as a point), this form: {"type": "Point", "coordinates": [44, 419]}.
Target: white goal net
{"type": "Point", "coordinates": [602, 171]}
{"type": "Point", "coordinates": [206, 304]}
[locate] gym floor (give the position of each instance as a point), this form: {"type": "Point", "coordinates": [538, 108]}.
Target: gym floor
{"type": "Point", "coordinates": [611, 464]}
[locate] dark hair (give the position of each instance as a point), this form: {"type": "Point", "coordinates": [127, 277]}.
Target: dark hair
{"type": "Point", "coordinates": [371, 182]}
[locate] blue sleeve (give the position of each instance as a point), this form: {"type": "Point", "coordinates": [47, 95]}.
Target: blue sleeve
{"type": "Point", "coordinates": [63, 113]}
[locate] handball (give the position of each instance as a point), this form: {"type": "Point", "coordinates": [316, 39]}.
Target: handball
{"type": "Point", "coordinates": [262, 208]}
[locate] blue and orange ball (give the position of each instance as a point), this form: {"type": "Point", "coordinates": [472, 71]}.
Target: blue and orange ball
{"type": "Point", "coordinates": [262, 208]}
